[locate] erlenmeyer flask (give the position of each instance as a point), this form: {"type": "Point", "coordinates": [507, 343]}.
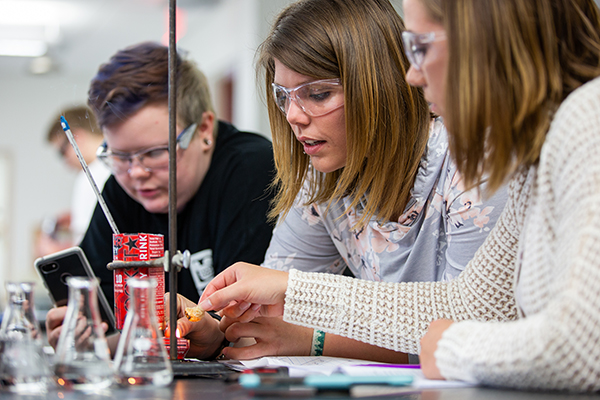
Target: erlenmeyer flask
{"type": "Point", "coordinates": [141, 358]}
{"type": "Point", "coordinates": [23, 367]}
{"type": "Point", "coordinates": [82, 360]}
{"type": "Point", "coordinates": [29, 310]}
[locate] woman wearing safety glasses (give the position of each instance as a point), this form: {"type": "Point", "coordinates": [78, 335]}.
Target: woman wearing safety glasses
{"type": "Point", "coordinates": [366, 186]}
{"type": "Point", "coordinates": [518, 82]}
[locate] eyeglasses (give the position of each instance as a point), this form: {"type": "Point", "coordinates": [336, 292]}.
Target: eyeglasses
{"type": "Point", "coordinates": [149, 159]}
{"type": "Point", "coordinates": [314, 98]}
{"type": "Point", "coordinates": [417, 44]}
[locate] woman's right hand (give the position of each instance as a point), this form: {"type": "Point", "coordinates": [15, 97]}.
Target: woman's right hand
{"type": "Point", "coordinates": [244, 291]}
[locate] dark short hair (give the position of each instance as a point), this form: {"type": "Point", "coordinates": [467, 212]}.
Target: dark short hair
{"type": "Point", "coordinates": [139, 75]}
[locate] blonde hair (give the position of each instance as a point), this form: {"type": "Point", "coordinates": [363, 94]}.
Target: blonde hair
{"type": "Point", "coordinates": [387, 121]}
{"type": "Point", "coordinates": [511, 64]}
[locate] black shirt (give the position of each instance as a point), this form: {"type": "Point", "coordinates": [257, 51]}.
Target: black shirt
{"type": "Point", "coordinates": [223, 223]}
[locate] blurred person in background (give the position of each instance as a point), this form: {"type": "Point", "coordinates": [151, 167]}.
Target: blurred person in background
{"type": "Point", "coordinates": [67, 229]}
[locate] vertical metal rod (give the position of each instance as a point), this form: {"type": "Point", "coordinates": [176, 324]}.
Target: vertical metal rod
{"type": "Point", "coordinates": [172, 178]}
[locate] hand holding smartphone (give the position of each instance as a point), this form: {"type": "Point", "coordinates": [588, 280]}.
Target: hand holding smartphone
{"type": "Point", "coordinates": [55, 268]}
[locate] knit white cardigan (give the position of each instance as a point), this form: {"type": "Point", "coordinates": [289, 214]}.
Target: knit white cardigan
{"type": "Point", "coordinates": [535, 281]}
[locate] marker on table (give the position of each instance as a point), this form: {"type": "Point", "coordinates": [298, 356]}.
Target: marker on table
{"type": "Point", "coordinates": [67, 129]}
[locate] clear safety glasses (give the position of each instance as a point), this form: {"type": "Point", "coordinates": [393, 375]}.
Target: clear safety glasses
{"type": "Point", "coordinates": [314, 98]}
{"type": "Point", "coordinates": [149, 159]}
{"type": "Point", "coordinates": [417, 44]}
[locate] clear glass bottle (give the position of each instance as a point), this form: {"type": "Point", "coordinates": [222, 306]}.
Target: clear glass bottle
{"type": "Point", "coordinates": [82, 360]}
{"type": "Point", "coordinates": [141, 357]}
{"type": "Point", "coordinates": [29, 310]}
{"type": "Point", "coordinates": [23, 366]}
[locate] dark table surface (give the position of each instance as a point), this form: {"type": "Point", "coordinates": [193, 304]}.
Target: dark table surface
{"type": "Point", "coordinates": [220, 389]}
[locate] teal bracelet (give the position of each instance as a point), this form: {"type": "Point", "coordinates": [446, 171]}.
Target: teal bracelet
{"type": "Point", "coordinates": [316, 349]}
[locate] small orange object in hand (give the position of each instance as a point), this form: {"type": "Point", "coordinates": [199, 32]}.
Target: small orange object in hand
{"type": "Point", "coordinates": [194, 314]}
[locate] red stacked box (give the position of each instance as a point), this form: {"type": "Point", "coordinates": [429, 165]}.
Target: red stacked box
{"type": "Point", "coordinates": [137, 247]}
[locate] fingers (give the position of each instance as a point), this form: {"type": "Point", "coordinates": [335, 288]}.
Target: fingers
{"type": "Point", "coordinates": [221, 298]}
{"type": "Point", "coordinates": [53, 336]}
{"type": "Point", "coordinates": [55, 317]}
{"type": "Point", "coordinates": [245, 282]}
{"type": "Point", "coordinates": [182, 304]}
{"type": "Point", "coordinates": [54, 320]}
{"type": "Point", "coordinates": [225, 278]}
{"type": "Point", "coordinates": [243, 312]}
{"type": "Point", "coordinates": [429, 343]}
{"type": "Point", "coordinates": [185, 326]}
{"type": "Point", "coordinates": [245, 353]}
{"type": "Point", "coordinates": [238, 330]}
{"type": "Point", "coordinates": [226, 323]}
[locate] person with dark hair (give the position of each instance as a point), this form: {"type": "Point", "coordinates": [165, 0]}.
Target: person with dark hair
{"type": "Point", "coordinates": [223, 175]}
{"type": "Point", "coordinates": [518, 84]}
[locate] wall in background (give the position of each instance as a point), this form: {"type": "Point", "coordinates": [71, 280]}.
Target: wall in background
{"type": "Point", "coordinates": [221, 38]}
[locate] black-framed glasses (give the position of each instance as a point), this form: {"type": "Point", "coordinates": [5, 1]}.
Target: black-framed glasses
{"type": "Point", "coordinates": [315, 98]}
{"type": "Point", "coordinates": [417, 44]}
{"type": "Point", "coordinates": [149, 159]}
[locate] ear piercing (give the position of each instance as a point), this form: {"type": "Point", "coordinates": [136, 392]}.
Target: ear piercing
{"type": "Point", "coordinates": [208, 142]}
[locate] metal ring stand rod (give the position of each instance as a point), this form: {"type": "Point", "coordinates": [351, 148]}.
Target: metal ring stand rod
{"type": "Point", "coordinates": [172, 179]}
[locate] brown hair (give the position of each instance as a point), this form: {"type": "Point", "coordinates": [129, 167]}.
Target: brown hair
{"type": "Point", "coordinates": [77, 117]}
{"type": "Point", "coordinates": [138, 76]}
{"type": "Point", "coordinates": [511, 64]}
{"type": "Point", "coordinates": [387, 121]}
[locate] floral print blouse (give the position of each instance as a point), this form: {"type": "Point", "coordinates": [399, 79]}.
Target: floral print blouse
{"type": "Point", "coordinates": [440, 230]}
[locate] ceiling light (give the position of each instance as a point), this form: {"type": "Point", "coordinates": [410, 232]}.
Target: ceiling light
{"type": "Point", "coordinates": [22, 48]}
{"type": "Point", "coordinates": [27, 28]}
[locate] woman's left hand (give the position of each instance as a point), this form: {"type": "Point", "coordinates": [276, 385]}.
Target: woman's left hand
{"type": "Point", "coordinates": [273, 338]}
{"type": "Point", "coordinates": [429, 344]}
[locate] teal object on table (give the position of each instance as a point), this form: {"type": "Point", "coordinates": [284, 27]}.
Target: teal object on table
{"type": "Point", "coordinates": [335, 381]}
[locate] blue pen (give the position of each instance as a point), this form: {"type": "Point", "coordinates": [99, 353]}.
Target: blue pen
{"type": "Point", "coordinates": [334, 381]}
{"type": "Point", "coordinates": [65, 126]}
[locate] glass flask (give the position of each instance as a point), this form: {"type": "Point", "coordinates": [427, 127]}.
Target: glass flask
{"type": "Point", "coordinates": [29, 311]}
{"type": "Point", "coordinates": [23, 366]}
{"type": "Point", "coordinates": [82, 360]}
{"type": "Point", "coordinates": [141, 357]}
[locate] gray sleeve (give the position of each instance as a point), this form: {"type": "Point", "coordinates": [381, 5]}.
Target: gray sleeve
{"type": "Point", "coordinates": [301, 241]}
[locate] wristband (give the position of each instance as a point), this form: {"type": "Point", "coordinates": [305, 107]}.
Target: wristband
{"type": "Point", "coordinates": [318, 340]}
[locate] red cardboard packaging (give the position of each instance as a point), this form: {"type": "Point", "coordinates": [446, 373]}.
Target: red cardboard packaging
{"type": "Point", "coordinates": [137, 247]}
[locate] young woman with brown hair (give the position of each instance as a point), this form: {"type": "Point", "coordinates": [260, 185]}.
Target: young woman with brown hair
{"type": "Point", "coordinates": [365, 181]}
{"type": "Point", "coordinates": [517, 82]}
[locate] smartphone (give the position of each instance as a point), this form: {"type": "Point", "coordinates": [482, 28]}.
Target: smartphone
{"type": "Point", "coordinates": [55, 268]}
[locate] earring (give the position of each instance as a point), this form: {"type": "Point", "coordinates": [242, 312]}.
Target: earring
{"type": "Point", "coordinates": [208, 142]}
